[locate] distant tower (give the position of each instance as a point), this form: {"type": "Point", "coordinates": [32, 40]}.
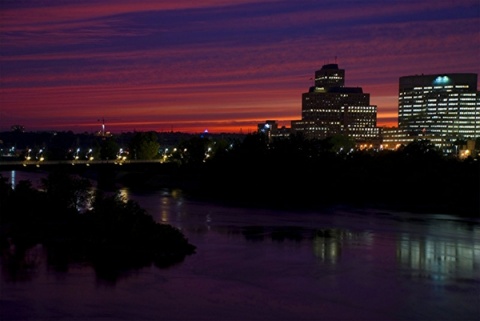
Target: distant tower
{"type": "Point", "coordinates": [330, 76]}
{"type": "Point", "coordinates": [102, 132]}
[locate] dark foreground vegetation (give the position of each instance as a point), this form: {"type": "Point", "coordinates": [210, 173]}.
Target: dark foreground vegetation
{"type": "Point", "coordinates": [306, 174]}
{"type": "Point", "coordinates": [74, 225]}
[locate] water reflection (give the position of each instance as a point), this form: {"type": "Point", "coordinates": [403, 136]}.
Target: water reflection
{"type": "Point", "coordinates": [21, 264]}
{"type": "Point", "coordinates": [327, 250]}
{"type": "Point", "coordinates": [328, 243]}
{"type": "Point", "coordinates": [168, 204]}
{"type": "Point", "coordinates": [455, 252]}
{"type": "Point", "coordinates": [14, 177]}
{"type": "Point", "coordinates": [438, 259]}
{"type": "Point", "coordinates": [258, 264]}
{"type": "Point", "coordinates": [124, 193]}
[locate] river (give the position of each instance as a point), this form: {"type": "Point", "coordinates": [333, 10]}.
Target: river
{"type": "Point", "coordinates": [255, 264]}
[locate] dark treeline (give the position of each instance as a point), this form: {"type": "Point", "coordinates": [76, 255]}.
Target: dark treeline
{"type": "Point", "coordinates": [298, 173]}
{"type": "Point", "coordinates": [63, 145]}
{"type": "Point", "coordinates": [288, 172]}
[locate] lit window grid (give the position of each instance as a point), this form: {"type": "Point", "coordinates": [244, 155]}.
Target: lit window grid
{"type": "Point", "coordinates": [459, 111]}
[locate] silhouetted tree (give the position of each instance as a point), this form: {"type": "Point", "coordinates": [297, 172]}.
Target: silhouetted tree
{"type": "Point", "coordinates": [192, 151]}
{"type": "Point", "coordinates": [144, 145]}
{"type": "Point", "coordinates": [66, 193]}
{"type": "Point", "coordinates": [113, 234]}
{"type": "Point", "coordinates": [109, 148]}
{"type": "Point", "coordinates": [421, 149]}
{"type": "Point", "coordinates": [340, 143]}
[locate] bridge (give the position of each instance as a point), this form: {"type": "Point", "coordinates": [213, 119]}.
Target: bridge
{"type": "Point", "coordinates": [35, 163]}
{"type": "Point", "coordinates": [157, 172]}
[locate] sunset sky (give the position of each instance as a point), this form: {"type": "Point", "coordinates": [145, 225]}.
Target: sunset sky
{"type": "Point", "coordinates": [225, 66]}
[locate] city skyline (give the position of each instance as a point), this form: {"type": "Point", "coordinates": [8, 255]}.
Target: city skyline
{"type": "Point", "coordinates": [225, 67]}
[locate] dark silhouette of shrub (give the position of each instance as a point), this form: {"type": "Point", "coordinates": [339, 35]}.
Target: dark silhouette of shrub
{"type": "Point", "coordinates": [113, 234]}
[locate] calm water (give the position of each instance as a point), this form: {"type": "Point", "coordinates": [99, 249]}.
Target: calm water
{"type": "Point", "coordinates": [340, 264]}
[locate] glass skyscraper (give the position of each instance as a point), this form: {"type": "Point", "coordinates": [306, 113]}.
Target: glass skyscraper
{"type": "Point", "coordinates": [441, 105]}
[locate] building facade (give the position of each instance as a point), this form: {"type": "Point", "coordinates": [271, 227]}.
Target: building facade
{"type": "Point", "coordinates": [441, 105]}
{"type": "Point", "coordinates": [329, 108]}
{"type": "Point", "coordinates": [272, 131]}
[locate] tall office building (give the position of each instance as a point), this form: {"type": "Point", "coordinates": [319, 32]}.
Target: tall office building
{"type": "Point", "coordinates": [329, 108]}
{"type": "Point", "coordinates": [442, 105]}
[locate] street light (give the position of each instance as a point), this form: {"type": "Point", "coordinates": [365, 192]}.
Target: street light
{"type": "Point", "coordinates": [39, 156]}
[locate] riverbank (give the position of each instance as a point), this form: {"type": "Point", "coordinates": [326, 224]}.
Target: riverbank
{"type": "Point", "coordinates": [421, 191]}
{"type": "Point", "coordinates": [423, 187]}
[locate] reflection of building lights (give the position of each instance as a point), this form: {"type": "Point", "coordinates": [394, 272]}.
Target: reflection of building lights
{"type": "Point", "coordinates": [13, 179]}
{"type": "Point", "coordinates": [328, 243]}
{"type": "Point", "coordinates": [164, 215]}
{"type": "Point", "coordinates": [438, 258]}
{"type": "Point", "coordinates": [326, 249]}
{"type": "Point", "coordinates": [124, 194]}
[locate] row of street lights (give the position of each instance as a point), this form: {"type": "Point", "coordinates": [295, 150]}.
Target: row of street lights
{"type": "Point", "coordinates": [86, 156]}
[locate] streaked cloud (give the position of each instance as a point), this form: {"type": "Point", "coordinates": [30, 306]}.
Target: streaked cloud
{"type": "Point", "coordinates": [232, 63]}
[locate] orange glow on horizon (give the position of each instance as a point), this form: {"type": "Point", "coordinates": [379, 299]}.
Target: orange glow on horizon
{"type": "Point", "coordinates": [225, 66]}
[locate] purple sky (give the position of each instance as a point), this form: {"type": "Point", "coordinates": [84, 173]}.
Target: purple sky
{"type": "Point", "coordinates": [218, 65]}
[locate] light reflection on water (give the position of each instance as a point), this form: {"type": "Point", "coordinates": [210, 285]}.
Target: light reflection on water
{"type": "Point", "coordinates": [15, 176]}
{"type": "Point", "coordinates": [259, 264]}
{"type": "Point", "coordinates": [439, 259]}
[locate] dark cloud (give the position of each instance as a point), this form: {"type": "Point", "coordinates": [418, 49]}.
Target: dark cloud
{"type": "Point", "coordinates": [211, 62]}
